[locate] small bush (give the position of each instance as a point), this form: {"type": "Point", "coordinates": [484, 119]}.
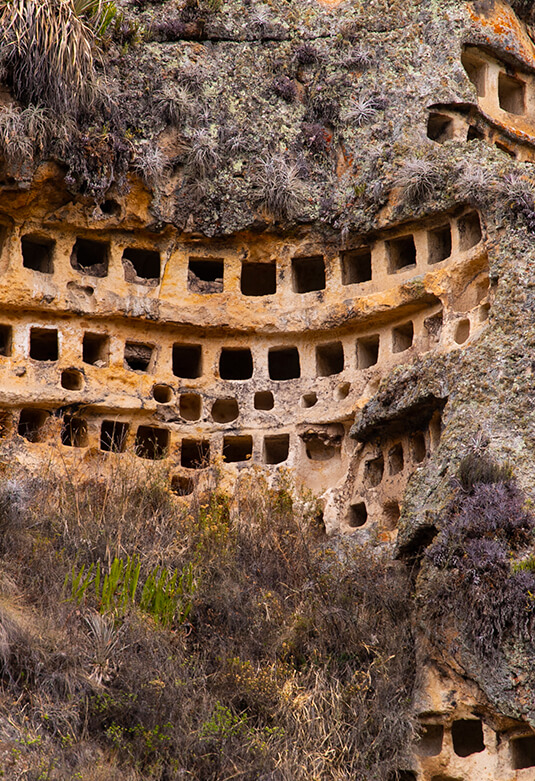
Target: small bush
{"type": "Point", "coordinates": [281, 190]}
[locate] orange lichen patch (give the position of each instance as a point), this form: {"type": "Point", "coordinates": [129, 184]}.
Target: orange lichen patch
{"type": "Point", "coordinates": [499, 19]}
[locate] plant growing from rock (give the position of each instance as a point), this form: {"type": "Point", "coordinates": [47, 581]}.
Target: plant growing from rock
{"type": "Point", "coordinates": [281, 191]}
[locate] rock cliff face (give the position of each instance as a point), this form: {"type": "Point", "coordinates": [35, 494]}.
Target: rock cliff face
{"type": "Point", "coordinates": [298, 235]}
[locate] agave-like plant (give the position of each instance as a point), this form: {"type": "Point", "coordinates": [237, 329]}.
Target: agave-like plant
{"type": "Point", "coordinates": [47, 48]}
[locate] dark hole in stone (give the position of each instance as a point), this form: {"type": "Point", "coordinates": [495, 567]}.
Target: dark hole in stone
{"type": "Point", "coordinates": [72, 379]}
{"type": "Point", "coordinates": [235, 363]}
{"type": "Point", "coordinates": [523, 752]}
{"type": "Point", "coordinates": [44, 344]}
{"type": "Point", "coordinates": [358, 515]}
{"type": "Point", "coordinates": [511, 94]}
{"type": "Point", "coordinates": [396, 460]}
{"type": "Point", "coordinates": [182, 485]}
{"type": "Point", "coordinates": [187, 361]}
{"type": "Point", "coordinates": [308, 274]}
{"type": "Point", "coordinates": [258, 279]}
{"type": "Point", "coordinates": [405, 775]}
{"type": "Point", "coordinates": [195, 453]}
{"type": "Point", "coordinates": [237, 448]}
{"type": "Point", "coordinates": [433, 325]}
{"type": "Point", "coordinates": [467, 736]}
{"type": "Point", "coordinates": [476, 71]}
{"type": "Point", "coordinates": [342, 391]}
{"type": "Point", "coordinates": [401, 253]}
{"type": "Point", "coordinates": [356, 266]}
{"type": "Point", "coordinates": [113, 436]}
{"type": "Point", "coordinates": [110, 207]}
{"type": "Point", "coordinates": [90, 257]}
{"type": "Point", "coordinates": [329, 359]}
{"type": "Point", "coordinates": [439, 244]}
{"type": "Point", "coordinates": [462, 330]}
{"type": "Point", "coordinates": [137, 356]}
{"type": "Point", "coordinates": [474, 134]}
{"type": "Point", "coordinates": [141, 264]}
{"type": "Point", "coordinates": [95, 349]}
{"type": "Point", "coordinates": [318, 449]}
{"type": "Point", "coordinates": [264, 400]}
{"type": "Point", "coordinates": [190, 406]}
{"type": "Point", "coordinates": [417, 447]}
{"type": "Point", "coordinates": [309, 399]}
{"type": "Point", "coordinates": [391, 513]}
{"type": "Point", "coordinates": [283, 363]}
{"type": "Point", "coordinates": [367, 351]}
{"type": "Point", "coordinates": [37, 254]}
{"type": "Point", "coordinates": [373, 471]}
{"type": "Point", "coordinates": [276, 448]}
{"type": "Point", "coordinates": [430, 742]}
{"type": "Point", "coordinates": [74, 432]}
{"type": "Point", "coordinates": [151, 443]}
{"type": "Point", "coordinates": [469, 230]}
{"type": "Point", "coordinates": [5, 340]}
{"type": "Point", "coordinates": [439, 127]}
{"type": "Point", "coordinates": [32, 424]}
{"type": "Point", "coordinates": [402, 336]}
{"type": "Point", "coordinates": [205, 275]}
{"type": "Point", "coordinates": [163, 394]}
{"type": "Point", "coordinates": [225, 410]}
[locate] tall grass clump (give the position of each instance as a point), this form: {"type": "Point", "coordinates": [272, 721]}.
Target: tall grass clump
{"type": "Point", "coordinates": [230, 639]}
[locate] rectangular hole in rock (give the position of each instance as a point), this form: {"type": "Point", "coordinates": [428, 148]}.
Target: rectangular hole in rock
{"type": "Point", "coordinates": [96, 349]}
{"type": "Point", "coordinates": [367, 351]}
{"type": "Point", "coordinates": [474, 134]}
{"type": "Point", "coordinates": [141, 265]}
{"type": "Point", "coordinates": [137, 356]}
{"type": "Point", "coordinates": [187, 361]}
{"type": "Point", "coordinates": [469, 230]}
{"type": "Point", "coordinates": [418, 448]}
{"type": "Point", "coordinates": [182, 485]}
{"type": "Point", "coordinates": [6, 340]}
{"type": "Point", "coordinates": [32, 424]}
{"type": "Point", "coordinates": [113, 436]}
{"type": "Point", "coordinates": [476, 70]}
{"type": "Point", "coordinates": [430, 742]}
{"type": "Point", "coordinates": [72, 379]}
{"type": "Point", "coordinates": [308, 274]}
{"type": "Point", "coordinates": [402, 337]}
{"type": "Point", "coordinates": [396, 460]}
{"type": "Point", "coordinates": [439, 127]}
{"type": "Point", "coordinates": [264, 400]}
{"type": "Point", "coordinates": [356, 266]}
{"type": "Point", "coordinates": [318, 449]}
{"type": "Point", "coordinates": [373, 471]}
{"type": "Point", "coordinates": [439, 244]}
{"type": "Point", "coordinates": [151, 442]}
{"type": "Point", "coordinates": [225, 410]}
{"type": "Point", "coordinates": [276, 448]}
{"type": "Point", "coordinates": [283, 363]}
{"type": "Point", "coordinates": [37, 254]}
{"type": "Point", "coordinates": [401, 253]}
{"type": "Point", "coordinates": [90, 257]}
{"type": "Point", "coordinates": [237, 448]}
{"type": "Point", "coordinates": [74, 432]}
{"type": "Point", "coordinates": [523, 752]}
{"type": "Point", "coordinates": [329, 359]}
{"type": "Point", "coordinates": [44, 344]}
{"type": "Point", "coordinates": [258, 279]}
{"type": "Point", "coordinates": [391, 514]}
{"type": "Point", "coordinates": [195, 453]}
{"type": "Point", "coordinates": [433, 326]}
{"type": "Point", "coordinates": [5, 423]}
{"type": "Point", "coordinates": [358, 515]}
{"type": "Point", "coordinates": [511, 94]}
{"type": "Point", "coordinates": [504, 148]}
{"type": "Point", "coordinates": [235, 363]}
{"type": "Point", "coordinates": [205, 275]}
{"type": "Point", "coordinates": [190, 406]}
{"type": "Point", "coordinates": [467, 736]}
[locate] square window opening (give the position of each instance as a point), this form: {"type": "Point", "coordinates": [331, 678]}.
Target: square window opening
{"type": "Point", "coordinates": [476, 70]}
{"type": "Point", "coordinates": [391, 514]}
{"type": "Point", "coordinates": [283, 363]}
{"type": "Point", "coordinates": [225, 410]}
{"type": "Point", "coordinates": [263, 400]}
{"type": "Point", "coordinates": [182, 485]}
{"type": "Point", "coordinates": [96, 349]}
{"type": "Point", "coordinates": [439, 244]}
{"type": "Point", "coordinates": [308, 274]}
{"type": "Point", "coordinates": [74, 432]}
{"type": "Point", "coordinates": [309, 399]}
{"type": "Point", "coordinates": [235, 363]}
{"type": "Point", "coordinates": [72, 379]}
{"type": "Point", "coordinates": [329, 359]}
{"type": "Point", "coordinates": [401, 253]}
{"type": "Point", "coordinates": [474, 134]}
{"type": "Point", "coordinates": [396, 460]}
{"type": "Point", "coordinates": [319, 449]}
{"type": "Point", "coordinates": [187, 361]}
{"type": "Point", "coordinates": [417, 447]}
{"type": "Point", "coordinates": [205, 275]}
{"type": "Point", "coordinates": [469, 231]}
{"type": "Point", "coordinates": [367, 351]}
{"type": "Point", "coordinates": [151, 442]}
{"type": "Point", "coordinates": [523, 752]}
{"type": "Point", "coordinates": [276, 448]}
{"type": "Point", "coordinates": [358, 515]}
{"type": "Point", "coordinates": [374, 471]}
{"type": "Point", "coordinates": [467, 736]}
{"type": "Point", "coordinates": [137, 356]}
{"type": "Point", "coordinates": [439, 127]}
{"type": "Point", "coordinates": [113, 436]}
{"type": "Point", "coordinates": [162, 394]}
{"type": "Point", "coordinates": [237, 448]}
{"type": "Point", "coordinates": [37, 254]}
{"type": "Point", "coordinates": [32, 424]}
{"type": "Point", "coordinates": [44, 344]}
{"type": "Point", "coordinates": [141, 265]}
{"type": "Point", "coordinates": [195, 453]}
{"type": "Point", "coordinates": [356, 266]}
{"type": "Point", "coordinates": [90, 257]}
{"type": "Point", "coordinates": [511, 94]}
{"type": "Point", "coordinates": [258, 279]}
{"type": "Point", "coordinates": [402, 337]}
{"type": "Point", "coordinates": [6, 340]}
{"type": "Point", "coordinates": [190, 406]}
{"type": "Point", "coordinates": [430, 742]}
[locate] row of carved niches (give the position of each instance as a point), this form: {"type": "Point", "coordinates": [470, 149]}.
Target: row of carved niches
{"type": "Point", "coordinates": [505, 111]}
{"type": "Point", "coordinates": [164, 278]}
{"type": "Point", "coordinates": [380, 474]}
